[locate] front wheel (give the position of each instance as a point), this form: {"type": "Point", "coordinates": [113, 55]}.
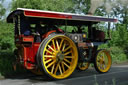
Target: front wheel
{"type": "Point", "coordinates": [102, 61]}
{"type": "Point", "coordinates": [59, 56]}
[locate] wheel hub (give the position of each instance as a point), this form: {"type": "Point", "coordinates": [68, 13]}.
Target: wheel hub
{"type": "Point", "coordinates": [102, 60]}
{"type": "Point", "coordinates": [60, 56]}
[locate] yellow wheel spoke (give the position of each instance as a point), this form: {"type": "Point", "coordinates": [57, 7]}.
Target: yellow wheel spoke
{"type": "Point", "coordinates": [53, 68]}
{"type": "Point", "coordinates": [68, 53]}
{"type": "Point", "coordinates": [68, 56]}
{"type": "Point", "coordinates": [60, 69]}
{"type": "Point", "coordinates": [104, 66]}
{"type": "Point", "coordinates": [66, 64]}
{"type": "Point", "coordinates": [98, 58]}
{"type": "Point", "coordinates": [49, 65]}
{"type": "Point", "coordinates": [57, 45]}
{"type": "Point", "coordinates": [53, 44]}
{"type": "Point", "coordinates": [67, 60]}
{"type": "Point", "coordinates": [103, 55]}
{"type": "Point", "coordinates": [67, 48]}
{"type": "Point", "coordinates": [63, 67]}
{"type": "Point", "coordinates": [100, 54]}
{"type": "Point", "coordinates": [49, 56]}
{"type": "Point", "coordinates": [102, 58]}
{"type": "Point", "coordinates": [51, 48]}
{"type": "Point", "coordinates": [47, 61]}
{"type": "Point", "coordinates": [63, 47]}
{"type": "Point", "coordinates": [61, 43]}
{"type": "Point", "coordinates": [56, 68]}
{"type": "Point", "coordinates": [48, 51]}
{"type": "Point", "coordinates": [98, 64]}
{"type": "Point", "coordinates": [106, 59]}
{"type": "Point", "coordinates": [101, 62]}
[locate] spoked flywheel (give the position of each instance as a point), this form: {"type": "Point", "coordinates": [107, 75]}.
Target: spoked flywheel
{"type": "Point", "coordinates": [59, 56]}
{"type": "Point", "coordinates": [102, 61]}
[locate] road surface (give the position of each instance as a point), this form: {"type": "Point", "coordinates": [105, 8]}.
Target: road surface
{"type": "Point", "coordinates": [118, 75]}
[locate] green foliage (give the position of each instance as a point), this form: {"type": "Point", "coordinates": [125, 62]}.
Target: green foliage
{"type": "Point", "coordinates": [6, 62]}
{"type": "Point", "coordinates": [118, 44]}
{"type": "Point", "coordinates": [118, 54]}
{"type": "Point", "coordinates": [81, 6]}
{"type": "Point", "coordinates": [33, 4]}
{"type": "Point", "coordinates": [57, 5]}
{"type": "Point", "coordinates": [122, 33]}
{"type": "Point", "coordinates": [6, 48]}
{"type": "Point", "coordinates": [6, 36]}
{"type": "Point", "coordinates": [120, 37]}
{"type": "Point", "coordinates": [52, 5]}
{"type": "Point", "coordinates": [2, 10]}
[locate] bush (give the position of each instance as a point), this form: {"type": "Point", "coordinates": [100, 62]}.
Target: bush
{"type": "Point", "coordinates": [6, 48]}
{"type": "Point", "coordinates": [118, 54]}
{"type": "Point", "coordinates": [6, 36]}
{"type": "Point", "coordinates": [6, 60]}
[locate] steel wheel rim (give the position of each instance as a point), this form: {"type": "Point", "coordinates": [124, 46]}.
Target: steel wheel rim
{"type": "Point", "coordinates": [60, 57]}
{"type": "Point", "coordinates": [103, 61]}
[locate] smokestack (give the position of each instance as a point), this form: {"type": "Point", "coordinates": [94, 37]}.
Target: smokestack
{"type": "Point", "coordinates": [94, 5]}
{"type": "Point", "coordinates": [108, 4]}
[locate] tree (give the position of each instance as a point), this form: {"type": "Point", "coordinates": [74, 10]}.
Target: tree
{"type": "Point", "coordinates": [2, 10]}
{"type": "Point", "coordinates": [57, 5]}
{"type": "Point", "coordinates": [52, 5]}
{"type": "Point", "coordinates": [81, 6]}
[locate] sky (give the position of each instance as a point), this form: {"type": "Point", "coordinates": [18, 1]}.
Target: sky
{"type": "Point", "coordinates": [6, 5]}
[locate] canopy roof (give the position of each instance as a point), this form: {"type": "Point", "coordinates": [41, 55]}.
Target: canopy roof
{"type": "Point", "coordinates": [50, 16]}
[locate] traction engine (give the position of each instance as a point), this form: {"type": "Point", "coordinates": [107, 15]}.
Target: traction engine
{"type": "Point", "coordinates": [47, 45]}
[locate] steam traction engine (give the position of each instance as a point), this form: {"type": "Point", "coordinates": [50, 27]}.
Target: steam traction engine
{"type": "Point", "coordinates": [46, 44]}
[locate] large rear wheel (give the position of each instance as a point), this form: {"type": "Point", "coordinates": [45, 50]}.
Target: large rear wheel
{"type": "Point", "coordinates": [102, 61]}
{"type": "Point", "coordinates": [59, 56]}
